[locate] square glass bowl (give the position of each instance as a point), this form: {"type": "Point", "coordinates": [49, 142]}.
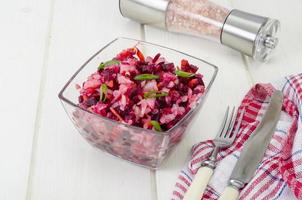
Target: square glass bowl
{"type": "Point", "coordinates": [144, 147]}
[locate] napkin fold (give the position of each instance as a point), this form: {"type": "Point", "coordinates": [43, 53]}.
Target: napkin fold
{"type": "Point", "coordinates": [279, 175]}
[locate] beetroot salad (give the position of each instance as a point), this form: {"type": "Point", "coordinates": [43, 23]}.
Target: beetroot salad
{"type": "Point", "coordinates": [148, 92]}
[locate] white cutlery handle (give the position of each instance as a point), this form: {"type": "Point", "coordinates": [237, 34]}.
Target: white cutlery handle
{"type": "Point", "coordinates": [229, 193]}
{"type": "Point", "coordinates": [199, 184]}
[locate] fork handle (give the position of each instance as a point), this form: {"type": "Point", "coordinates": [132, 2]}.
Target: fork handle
{"type": "Point", "coordinates": [229, 193]}
{"type": "Point", "coordinates": [199, 184]}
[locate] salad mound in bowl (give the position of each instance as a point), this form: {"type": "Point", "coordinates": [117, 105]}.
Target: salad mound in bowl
{"type": "Point", "coordinates": [149, 92]}
{"type": "Point", "coordinates": [136, 105]}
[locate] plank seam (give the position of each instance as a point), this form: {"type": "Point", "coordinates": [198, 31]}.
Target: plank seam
{"type": "Point", "coordinates": [142, 32]}
{"type": "Point", "coordinates": [40, 100]}
{"type": "Point", "coordinates": [153, 183]}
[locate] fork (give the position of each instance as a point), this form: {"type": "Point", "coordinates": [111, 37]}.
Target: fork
{"type": "Point", "coordinates": [223, 139]}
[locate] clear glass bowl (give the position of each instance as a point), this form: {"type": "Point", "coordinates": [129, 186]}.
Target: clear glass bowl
{"type": "Point", "coordinates": [140, 146]}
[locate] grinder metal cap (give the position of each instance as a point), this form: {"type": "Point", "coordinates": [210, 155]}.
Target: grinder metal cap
{"type": "Point", "coordinates": [150, 12]}
{"type": "Point", "coordinates": [253, 35]}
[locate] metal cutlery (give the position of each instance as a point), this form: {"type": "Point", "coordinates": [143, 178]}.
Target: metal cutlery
{"type": "Point", "coordinates": [224, 138]}
{"type": "Point", "coordinates": [254, 149]}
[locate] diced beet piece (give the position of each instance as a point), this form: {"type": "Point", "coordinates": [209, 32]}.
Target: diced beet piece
{"type": "Point", "coordinates": [135, 91]}
{"type": "Point", "coordinates": [89, 91]}
{"type": "Point", "coordinates": [193, 83]}
{"type": "Point", "coordinates": [183, 104]}
{"type": "Point", "coordinates": [156, 57]}
{"type": "Point", "coordinates": [169, 67]}
{"type": "Point", "coordinates": [161, 102]}
{"type": "Point", "coordinates": [91, 101]}
{"type": "Point", "coordinates": [183, 80]}
{"type": "Point", "coordinates": [199, 77]}
{"type": "Point", "coordinates": [80, 99]}
{"type": "Point", "coordinates": [147, 69]}
{"type": "Point", "coordinates": [186, 66]}
{"type": "Point", "coordinates": [184, 63]}
{"type": "Point", "coordinates": [193, 68]}
{"type": "Point", "coordinates": [126, 54]}
{"type": "Point", "coordinates": [174, 95]}
{"type": "Point", "coordinates": [155, 116]}
{"type": "Point", "coordinates": [182, 89]}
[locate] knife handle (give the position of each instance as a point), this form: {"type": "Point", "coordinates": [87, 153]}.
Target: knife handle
{"type": "Point", "coordinates": [229, 193]}
{"type": "Point", "coordinates": [199, 184]}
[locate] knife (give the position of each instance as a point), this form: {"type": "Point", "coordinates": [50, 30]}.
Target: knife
{"type": "Point", "coordinates": [254, 149]}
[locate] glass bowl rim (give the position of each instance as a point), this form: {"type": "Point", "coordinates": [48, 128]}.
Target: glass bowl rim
{"type": "Point", "coordinates": [207, 88]}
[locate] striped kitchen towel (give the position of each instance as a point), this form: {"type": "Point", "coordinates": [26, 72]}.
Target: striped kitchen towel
{"type": "Point", "coordinates": [279, 175]}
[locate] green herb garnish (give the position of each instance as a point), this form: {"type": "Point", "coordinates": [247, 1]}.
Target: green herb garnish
{"type": "Point", "coordinates": [108, 63]}
{"type": "Point", "coordinates": [143, 77]}
{"type": "Point", "coordinates": [184, 74]}
{"type": "Point", "coordinates": [103, 92]}
{"type": "Point", "coordinates": [156, 125]}
{"type": "Point", "coordinates": [154, 94]}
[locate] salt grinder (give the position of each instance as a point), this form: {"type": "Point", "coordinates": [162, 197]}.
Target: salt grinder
{"type": "Point", "coordinates": [251, 34]}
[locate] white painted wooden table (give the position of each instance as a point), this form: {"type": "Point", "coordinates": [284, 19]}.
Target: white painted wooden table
{"type": "Point", "coordinates": [42, 42]}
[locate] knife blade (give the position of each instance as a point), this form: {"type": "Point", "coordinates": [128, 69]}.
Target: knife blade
{"type": "Point", "coordinates": [254, 149]}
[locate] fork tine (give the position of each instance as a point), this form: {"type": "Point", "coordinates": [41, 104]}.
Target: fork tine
{"type": "Point", "coordinates": [224, 122]}
{"type": "Point", "coordinates": [230, 124]}
{"type": "Point", "coordinates": [233, 124]}
{"type": "Point", "coordinates": [226, 126]}
{"type": "Point", "coordinates": [238, 125]}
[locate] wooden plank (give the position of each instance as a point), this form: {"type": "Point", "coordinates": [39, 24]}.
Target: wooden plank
{"type": "Point", "coordinates": [288, 57]}
{"type": "Point", "coordinates": [65, 166]}
{"type": "Point", "coordinates": [231, 84]}
{"type": "Point", "coordinates": [23, 39]}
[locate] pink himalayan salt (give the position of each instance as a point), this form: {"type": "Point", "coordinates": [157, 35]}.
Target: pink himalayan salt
{"type": "Point", "coordinates": [196, 17]}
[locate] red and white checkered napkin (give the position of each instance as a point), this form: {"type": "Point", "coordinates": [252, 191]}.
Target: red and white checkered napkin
{"type": "Point", "coordinates": [279, 175]}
